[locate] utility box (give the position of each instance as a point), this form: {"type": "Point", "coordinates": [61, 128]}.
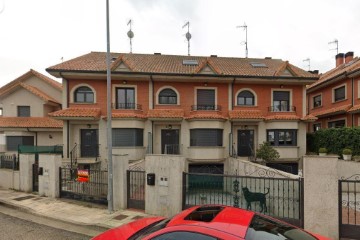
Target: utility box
{"type": "Point", "coordinates": [150, 179]}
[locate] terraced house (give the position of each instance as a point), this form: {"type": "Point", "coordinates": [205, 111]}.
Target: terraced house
{"type": "Point", "coordinates": [335, 98]}
{"type": "Point", "coordinates": [207, 109]}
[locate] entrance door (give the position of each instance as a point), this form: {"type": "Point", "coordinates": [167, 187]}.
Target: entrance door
{"type": "Point", "coordinates": [89, 143]}
{"type": "Point", "coordinates": [245, 142]}
{"type": "Point", "coordinates": [170, 141]}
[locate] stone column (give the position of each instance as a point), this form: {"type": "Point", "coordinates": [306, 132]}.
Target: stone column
{"type": "Point", "coordinates": [120, 166]}
{"type": "Point", "coordinates": [49, 180]}
{"type": "Point", "coordinates": [26, 162]}
{"type": "Point", "coordinates": [321, 211]}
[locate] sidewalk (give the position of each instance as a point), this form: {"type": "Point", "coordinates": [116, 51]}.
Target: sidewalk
{"type": "Point", "coordinates": [70, 211]}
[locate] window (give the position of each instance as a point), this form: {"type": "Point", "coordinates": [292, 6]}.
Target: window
{"type": "Point", "coordinates": [84, 95]}
{"type": "Point", "coordinates": [281, 101]}
{"type": "Point", "coordinates": [265, 228]}
{"type": "Point", "coordinates": [167, 96]}
{"type": "Point", "coordinates": [12, 142]}
{"type": "Point", "coordinates": [205, 99]}
{"type": "Point", "coordinates": [182, 235]}
{"type": "Point", "coordinates": [317, 101]}
{"type": "Point", "coordinates": [245, 98]}
{"type": "Point", "coordinates": [339, 93]}
{"type": "Point", "coordinates": [23, 111]}
{"type": "Point", "coordinates": [282, 137]}
{"type": "Point", "coordinates": [125, 98]}
{"type": "Point", "coordinates": [316, 127]}
{"type": "Point", "coordinates": [127, 137]}
{"type": "Point", "coordinates": [336, 124]}
{"type": "Point", "coordinates": [206, 137]}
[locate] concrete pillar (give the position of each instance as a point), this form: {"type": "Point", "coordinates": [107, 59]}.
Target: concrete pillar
{"type": "Point", "coordinates": [26, 162]}
{"type": "Point", "coordinates": [120, 165]}
{"type": "Point", "coordinates": [321, 211]}
{"type": "Point", "coordinates": [165, 197]}
{"type": "Point", "coordinates": [49, 180]}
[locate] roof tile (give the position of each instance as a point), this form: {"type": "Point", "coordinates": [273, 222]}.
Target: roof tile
{"type": "Point", "coordinates": [245, 114]}
{"type": "Point", "coordinates": [77, 113]}
{"type": "Point", "coordinates": [30, 122]}
{"type": "Point", "coordinates": [282, 117]}
{"type": "Point", "coordinates": [128, 115]}
{"type": "Point", "coordinates": [205, 115]}
{"type": "Point", "coordinates": [165, 113]}
{"type": "Point", "coordinates": [334, 110]}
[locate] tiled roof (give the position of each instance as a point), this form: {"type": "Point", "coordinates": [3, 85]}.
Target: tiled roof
{"type": "Point", "coordinates": [165, 113]}
{"type": "Point", "coordinates": [173, 64]}
{"type": "Point", "coordinates": [202, 115]}
{"type": "Point", "coordinates": [352, 66]}
{"type": "Point", "coordinates": [309, 118]}
{"type": "Point", "coordinates": [128, 115]}
{"type": "Point", "coordinates": [39, 93]}
{"type": "Point", "coordinates": [330, 111]}
{"type": "Point", "coordinates": [245, 114]}
{"type": "Point", "coordinates": [355, 108]}
{"type": "Point", "coordinates": [30, 122]}
{"type": "Point", "coordinates": [282, 117]}
{"type": "Point", "coordinates": [47, 79]}
{"type": "Point", "coordinates": [77, 113]}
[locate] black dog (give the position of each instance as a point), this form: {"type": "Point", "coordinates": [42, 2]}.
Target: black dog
{"type": "Point", "coordinates": [255, 197]}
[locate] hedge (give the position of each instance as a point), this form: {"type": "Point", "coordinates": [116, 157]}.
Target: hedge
{"type": "Point", "coordinates": [335, 140]}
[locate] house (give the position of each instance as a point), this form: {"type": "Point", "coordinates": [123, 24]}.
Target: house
{"type": "Point", "coordinates": [335, 98]}
{"type": "Point", "coordinates": [207, 109]}
{"type": "Point", "coordinates": [24, 106]}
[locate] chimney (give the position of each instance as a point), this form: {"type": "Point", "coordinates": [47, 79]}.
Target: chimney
{"type": "Point", "coordinates": [339, 59]}
{"type": "Point", "coordinates": [349, 56]}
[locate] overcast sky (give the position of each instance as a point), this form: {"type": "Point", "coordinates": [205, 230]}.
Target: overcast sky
{"type": "Point", "coordinates": [40, 33]}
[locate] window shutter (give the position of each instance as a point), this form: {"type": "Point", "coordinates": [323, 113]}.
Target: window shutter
{"type": "Point", "coordinates": [205, 97]}
{"type": "Point", "coordinates": [126, 137]}
{"type": "Point", "coordinates": [281, 96]}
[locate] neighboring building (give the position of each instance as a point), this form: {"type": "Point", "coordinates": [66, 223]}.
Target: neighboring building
{"type": "Point", "coordinates": [207, 109]}
{"type": "Point", "coordinates": [335, 98]}
{"type": "Point", "coordinates": [24, 105]}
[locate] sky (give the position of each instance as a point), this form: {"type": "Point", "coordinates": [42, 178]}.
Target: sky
{"type": "Point", "coordinates": [36, 34]}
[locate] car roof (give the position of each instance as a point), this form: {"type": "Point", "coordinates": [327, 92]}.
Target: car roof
{"type": "Point", "coordinates": [222, 218]}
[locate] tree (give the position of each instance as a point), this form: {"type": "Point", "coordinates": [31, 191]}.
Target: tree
{"type": "Point", "coordinates": [267, 152]}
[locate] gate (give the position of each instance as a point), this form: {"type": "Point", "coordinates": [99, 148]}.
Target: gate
{"type": "Point", "coordinates": [135, 189]}
{"type": "Point", "coordinates": [349, 207]}
{"type": "Point", "coordinates": [85, 185]}
{"type": "Point", "coordinates": [283, 196]}
{"type": "Point", "coordinates": [35, 177]}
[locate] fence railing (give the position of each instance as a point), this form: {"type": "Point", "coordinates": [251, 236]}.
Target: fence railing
{"type": "Point", "coordinates": [9, 162]}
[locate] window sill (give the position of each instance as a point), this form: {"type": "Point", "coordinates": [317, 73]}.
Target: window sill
{"type": "Point", "coordinates": [342, 100]}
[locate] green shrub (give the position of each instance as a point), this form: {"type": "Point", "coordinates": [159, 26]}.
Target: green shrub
{"type": "Point", "coordinates": [347, 151]}
{"type": "Point", "coordinates": [267, 152]}
{"type": "Point", "coordinates": [323, 150]}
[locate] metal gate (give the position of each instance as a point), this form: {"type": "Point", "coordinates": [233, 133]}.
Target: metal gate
{"type": "Point", "coordinates": [35, 177]}
{"type": "Point", "coordinates": [136, 189]}
{"type": "Point", "coordinates": [283, 196]}
{"type": "Point", "coordinates": [349, 207]}
{"type": "Point", "coordinates": [89, 187]}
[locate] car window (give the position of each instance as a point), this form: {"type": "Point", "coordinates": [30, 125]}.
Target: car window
{"type": "Point", "coordinates": [184, 236]}
{"type": "Point", "coordinates": [149, 229]}
{"type": "Point", "coordinates": [264, 228]}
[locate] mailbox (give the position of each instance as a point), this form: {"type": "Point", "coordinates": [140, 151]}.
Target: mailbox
{"type": "Point", "coordinates": [40, 171]}
{"type": "Point", "coordinates": [151, 179]}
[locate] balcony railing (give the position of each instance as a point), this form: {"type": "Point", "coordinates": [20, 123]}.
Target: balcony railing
{"type": "Point", "coordinates": [282, 108]}
{"type": "Point", "coordinates": [172, 149]}
{"type": "Point", "coordinates": [127, 106]}
{"type": "Point", "coordinates": [206, 107]}
{"type": "Point", "coordinates": [84, 151]}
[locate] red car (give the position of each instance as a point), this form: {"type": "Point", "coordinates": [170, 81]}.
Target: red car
{"type": "Point", "coordinates": [211, 222]}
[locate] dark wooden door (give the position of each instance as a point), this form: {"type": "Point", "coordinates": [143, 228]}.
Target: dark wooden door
{"type": "Point", "coordinates": [245, 142]}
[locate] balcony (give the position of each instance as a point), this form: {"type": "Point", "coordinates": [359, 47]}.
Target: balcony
{"type": "Point", "coordinates": [282, 108]}
{"type": "Point", "coordinates": [205, 108]}
{"type": "Point", "coordinates": [132, 106]}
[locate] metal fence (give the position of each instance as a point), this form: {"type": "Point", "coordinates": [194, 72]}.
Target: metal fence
{"type": "Point", "coordinates": [94, 188]}
{"type": "Point", "coordinates": [136, 189]}
{"type": "Point", "coordinates": [277, 197]}
{"type": "Point", "coordinates": [9, 162]}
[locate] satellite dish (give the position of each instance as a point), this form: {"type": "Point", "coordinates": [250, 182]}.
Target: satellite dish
{"type": "Point", "coordinates": [130, 34]}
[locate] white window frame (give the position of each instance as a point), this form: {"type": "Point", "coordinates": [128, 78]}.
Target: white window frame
{"type": "Point", "coordinates": [250, 90]}
{"type": "Point", "coordinates": [333, 92]}
{"type": "Point", "coordinates": [72, 92]}
{"type": "Point", "coordinates": [283, 90]}
{"type": "Point", "coordinates": [166, 87]}
{"type": "Point", "coordinates": [205, 88]}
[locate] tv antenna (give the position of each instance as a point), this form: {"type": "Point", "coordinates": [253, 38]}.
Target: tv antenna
{"type": "Point", "coordinates": [336, 42]}
{"type": "Point", "coordinates": [246, 42]}
{"type": "Point", "coordinates": [188, 35]}
{"type": "Point", "coordinates": [130, 34]}
{"type": "Point", "coordinates": [307, 60]}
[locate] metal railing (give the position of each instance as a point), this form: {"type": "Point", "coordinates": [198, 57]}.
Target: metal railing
{"type": "Point", "coordinates": [282, 108]}
{"type": "Point", "coordinates": [172, 149]}
{"type": "Point", "coordinates": [84, 151]}
{"type": "Point", "coordinates": [9, 162]}
{"type": "Point", "coordinates": [127, 106]}
{"type": "Point", "coordinates": [206, 108]}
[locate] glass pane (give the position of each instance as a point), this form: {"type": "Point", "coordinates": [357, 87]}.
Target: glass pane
{"type": "Point", "coordinates": [241, 101]}
{"type": "Point", "coordinates": [249, 101]}
{"type": "Point", "coordinates": [271, 137]}
{"type": "Point", "coordinates": [130, 98]}
{"type": "Point", "coordinates": [281, 138]}
{"type": "Point", "coordinates": [120, 95]}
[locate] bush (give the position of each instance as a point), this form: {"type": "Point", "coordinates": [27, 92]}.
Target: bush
{"type": "Point", "coordinates": [323, 150]}
{"type": "Point", "coordinates": [267, 152]}
{"type": "Point", "coordinates": [347, 151]}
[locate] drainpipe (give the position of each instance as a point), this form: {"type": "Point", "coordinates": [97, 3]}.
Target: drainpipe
{"type": "Point", "coordinates": [152, 107]}
{"type": "Point", "coordinates": [231, 138]}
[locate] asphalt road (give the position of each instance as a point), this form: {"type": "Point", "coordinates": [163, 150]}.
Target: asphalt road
{"type": "Point", "coordinates": [18, 225]}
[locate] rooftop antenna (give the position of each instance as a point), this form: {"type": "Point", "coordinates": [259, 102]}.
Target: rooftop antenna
{"type": "Point", "coordinates": [307, 60]}
{"type": "Point", "coordinates": [130, 34]}
{"type": "Point", "coordinates": [242, 43]}
{"type": "Point", "coordinates": [188, 35]}
{"type": "Point", "coordinates": [337, 45]}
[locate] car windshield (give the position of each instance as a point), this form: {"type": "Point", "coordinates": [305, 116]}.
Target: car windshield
{"type": "Point", "coordinates": [264, 228]}
{"type": "Point", "coordinates": [149, 229]}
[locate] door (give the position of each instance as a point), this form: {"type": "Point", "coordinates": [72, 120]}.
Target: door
{"type": "Point", "coordinates": [170, 141]}
{"type": "Point", "coordinates": [245, 143]}
{"type": "Point", "coordinates": [89, 143]}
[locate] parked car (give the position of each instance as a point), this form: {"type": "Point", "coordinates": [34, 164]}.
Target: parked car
{"type": "Point", "coordinates": [209, 222]}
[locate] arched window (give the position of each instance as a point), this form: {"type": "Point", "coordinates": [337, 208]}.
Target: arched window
{"type": "Point", "coordinates": [167, 96]}
{"type": "Point", "coordinates": [245, 98]}
{"type": "Point", "coordinates": [84, 95]}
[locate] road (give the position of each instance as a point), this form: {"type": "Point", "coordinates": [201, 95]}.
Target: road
{"type": "Point", "coordinates": [15, 224]}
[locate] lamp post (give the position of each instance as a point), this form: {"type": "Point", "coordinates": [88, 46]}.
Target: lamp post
{"type": "Point", "coordinates": [108, 96]}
